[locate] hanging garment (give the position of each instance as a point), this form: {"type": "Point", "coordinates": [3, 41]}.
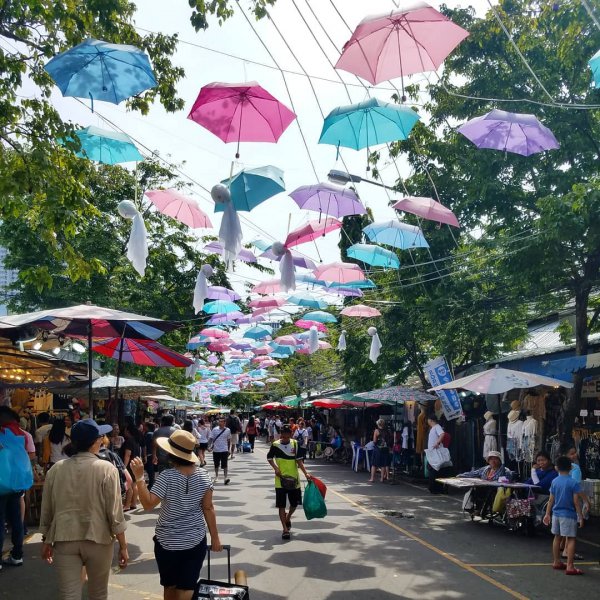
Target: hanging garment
{"type": "Point", "coordinates": [529, 439]}
{"type": "Point", "coordinates": [490, 443]}
{"type": "Point", "coordinates": [421, 433]}
{"type": "Point", "coordinates": [514, 438]}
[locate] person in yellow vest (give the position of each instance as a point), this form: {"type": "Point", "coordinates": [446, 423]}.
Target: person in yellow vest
{"type": "Point", "coordinates": [284, 458]}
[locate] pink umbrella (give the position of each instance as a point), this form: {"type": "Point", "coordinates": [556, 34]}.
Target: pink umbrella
{"type": "Point", "coordinates": [270, 286]}
{"type": "Point", "coordinates": [311, 231]}
{"type": "Point", "coordinates": [267, 302]}
{"type": "Point", "coordinates": [186, 210]}
{"type": "Point", "coordinates": [360, 310]}
{"type": "Point", "coordinates": [287, 340]}
{"type": "Point", "coordinates": [305, 324]}
{"type": "Point", "coordinates": [403, 42]}
{"type": "Point", "coordinates": [220, 346]}
{"type": "Point", "coordinates": [340, 272]}
{"type": "Point", "coordinates": [427, 208]}
{"type": "Point", "coordinates": [262, 350]}
{"type": "Point", "coordinates": [324, 345]}
{"type": "Point", "coordinates": [241, 112]}
{"type": "Point", "coordinates": [217, 292]}
{"type": "Point", "coordinates": [214, 332]}
{"type": "Point", "coordinates": [269, 362]}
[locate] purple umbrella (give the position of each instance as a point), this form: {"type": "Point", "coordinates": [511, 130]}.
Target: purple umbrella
{"type": "Point", "coordinates": [328, 198]}
{"type": "Point", "coordinates": [299, 261]}
{"type": "Point", "coordinates": [225, 318]}
{"type": "Point", "coordinates": [512, 132]}
{"type": "Point", "coordinates": [217, 248]}
{"type": "Point", "coordinates": [346, 291]}
{"type": "Point", "coordinates": [249, 319]}
{"type": "Point", "coordinates": [217, 292]}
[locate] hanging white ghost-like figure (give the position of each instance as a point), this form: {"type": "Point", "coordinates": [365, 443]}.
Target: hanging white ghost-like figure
{"type": "Point", "coordinates": [230, 232]}
{"type": "Point", "coordinates": [286, 266]}
{"type": "Point", "coordinates": [342, 341]}
{"type": "Point", "coordinates": [191, 371]}
{"type": "Point", "coordinates": [137, 246]}
{"type": "Point", "coordinates": [313, 340]}
{"type": "Point", "coordinates": [201, 289]}
{"type": "Point", "coordinates": [375, 344]}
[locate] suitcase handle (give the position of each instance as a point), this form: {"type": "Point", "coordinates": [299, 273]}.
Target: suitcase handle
{"type": "Point", "coordinates": [226, 547]}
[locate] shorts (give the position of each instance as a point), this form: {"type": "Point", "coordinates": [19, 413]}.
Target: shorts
{"type": "Point", "coordinates": [203, 445]}
{"type": "Point", "coordinates": [294, 496]}
{"type": "Point", "coordinates": [179, 568]}
{"type": "Point", "coordinates": [220, 459]}
{"type": "Point", "coordinates": [234, 439]}
{"type": "Point", "coordinates": [564, 526]}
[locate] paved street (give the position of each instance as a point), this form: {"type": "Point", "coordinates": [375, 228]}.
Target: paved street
{"type": "Point", "coordinates": [377, 542]}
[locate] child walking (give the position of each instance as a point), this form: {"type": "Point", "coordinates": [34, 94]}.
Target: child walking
{"type": "Point", "coordinates": [564, 510]}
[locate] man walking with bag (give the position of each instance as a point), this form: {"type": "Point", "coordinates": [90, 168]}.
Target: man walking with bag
{"type": "Point", "coordinates": [219, 441]}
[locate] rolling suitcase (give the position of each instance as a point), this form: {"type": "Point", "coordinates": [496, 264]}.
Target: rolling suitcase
{"type": "Point", "coordinates": [246, 447]}
{"type": "Point", "coordinates": [219, 590]}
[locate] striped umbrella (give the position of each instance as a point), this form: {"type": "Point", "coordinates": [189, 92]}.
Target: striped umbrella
{"type": "Point", "coordinates": [141, 352]}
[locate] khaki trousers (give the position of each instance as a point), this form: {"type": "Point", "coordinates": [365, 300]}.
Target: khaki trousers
{"type": "Point", "coordinates": [70, 557]}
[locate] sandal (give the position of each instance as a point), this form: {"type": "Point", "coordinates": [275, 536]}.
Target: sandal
{"type": "Point", "coordinates": [575, 557]}
{"type": "Point", "coordinates": [574, 572]}
{"type": "Point", "coordinates": [559, 567]}
{"type": "Point", "coordinates": [285, 535]}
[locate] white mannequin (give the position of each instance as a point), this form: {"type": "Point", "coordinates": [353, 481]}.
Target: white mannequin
{"type": "Point", "coordinates": [529, 438]}
{"type": "Point", "coordinates": [514, 433]}
{"type": "Point", "coordinates": [489, 431]}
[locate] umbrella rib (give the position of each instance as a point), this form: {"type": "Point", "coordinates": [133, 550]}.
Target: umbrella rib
{"type": "Point", "coordinates": [418, 44]}
{"type": "Point", "coordinates": [265, 118]}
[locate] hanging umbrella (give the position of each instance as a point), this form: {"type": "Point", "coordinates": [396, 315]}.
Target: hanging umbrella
{"type": "Point", "coordinates": [307, 300]}
{"type": "Point", "coordinates": [249, 319]}
{"type": "Point", "coordinates": [227, 319]}
{"type": "Point", "coordinates": [595, 67]}
{"type": "Point", "coordinates": [364, 284]}
{"type": "Point", "coordinates": [241, 112]}
{"type": "Point", "coordinates": [297, 259]}
{"type": "Point", "coordinates": [286, 340]}
{"type": "Point", "coordinates": [340, 272]}
{"type": "Point", "coordinates": [214, 332]}
{"type": "Point", "coordinates": [520, 133]}
{"type": "Point", "coordinates": [281, 350]}
{"type": "Point", "coordinates": [262, 350]}
{"type": "Point", "coordinates": [217, 292]}
{"type": "Point", "coordinates": [498, 381]}
{"type": "Point", "coordinates": [307, 324]}
{"type": "Point", "coordinates": [105, 146]}
{"type": "Point", "coordinates": [260, 332]}
{"type": "Point", "coordinates": [262, 245]}
{"type": "Point", "coordinates": [311, 231]}
{"type": "Point", "coordinates": [270, 286]}
{"type": "Point", "coordinates": [413, 40]}
{"type": "Point", "coordinates": [397, 234]}
{"type": "Point", "coordinates": [348, 292]}
{"type": "Point", "coordinates": [367, 124]}
{"type": "Point", "coordinates": [310, 280]}
{"type": "Point", "coordinates": [328, 198]}
{"type": "Point", "coordinates": [319, 316]}
{"type": "Point", "coordinates": [141, 352]}
{"type": "Point", "coordinates": [220, 307]}
{"type": "Point", "coordinates": [185, 210]}
{"type": "Point", "coordinates": [101, 71]}
{"type": "Point", "coordinates": [373, 255]}
{"type": "Point", "coordinates": [427, 208]}
{"type": "Point", "coordinates": [250, 187]}
{"type": "Point", "coordinates": [267, 302]}
{"type": "Point", "coordinates": [219, 346]}
{"type": "Point", "coordinates": [360, 310]}
{"type": "Point", "coordinates": [217, 248]}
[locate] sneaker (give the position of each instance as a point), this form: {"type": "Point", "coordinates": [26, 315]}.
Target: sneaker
{"type": "Point", "coordinates": [227, 481]}
{"type": "Point", "coordinates": [12, 561]}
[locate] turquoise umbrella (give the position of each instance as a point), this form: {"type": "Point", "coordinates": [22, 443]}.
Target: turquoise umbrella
{"type": "Point", "coordinates": [250, 187]}
{"type": "Point", "coordinates": [320, 316]}
{"type": "Point", "coordinates": [303, 278]}
{"type": "Point", "coordinates": [220, 307]}
{"type": "Point", "coordinates": [367, 284]}
{"type": "Point", "coordinates": [307, 300]}
{"type": "Point", "coordinates": [109, 147]}
{"type": "Point", "coordinates": [374, 255]}
{"type": "Point", "coordinates": [367, 124]}
{"type": "Point", "coordinates": [595, 67]}
{"type": "Point", "coordinates": [259, 332]}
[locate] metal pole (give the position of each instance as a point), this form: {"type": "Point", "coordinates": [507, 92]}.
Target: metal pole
{"type": "Point", "coordinates": [119, 362]}
{"type": "Point", "coordinates": [90, 398]}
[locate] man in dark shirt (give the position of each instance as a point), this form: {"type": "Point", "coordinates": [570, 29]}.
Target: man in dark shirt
{"type": "Point", "coordinates": [159, 457]}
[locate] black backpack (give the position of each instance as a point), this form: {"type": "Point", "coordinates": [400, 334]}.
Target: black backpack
{"type": "Point", "coordinates": [115, 459]}
{"type": "Point", "coordinates": [233, 423]}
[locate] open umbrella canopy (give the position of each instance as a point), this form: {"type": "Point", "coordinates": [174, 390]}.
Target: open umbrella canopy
{"type": "Point", "coordinates": [106, 146]}
{"type": "Point", "coordinates": [250, 187]}
{"type": "Point", "coordinates": [174, 204]}
{"type": "Point", "coordinates": [328, 198]}
{"type": "Point", "coordinates": [397, 394]}
{"type": "Point", "coordinates": [101, 71]}
{"type": "Point", "coordinates": [595, 67]}
{"type": "Point", "coordinates": [286, 340]}
{"type": "Point", "coordinates": [374, 255]}
{"type": "Point", "coordinates": [412, 40]}
{"type": "Point", "coordinates": [348, 292]}
{"type": "Point", "coordinates": [367, 124]}
{"type": "Point", "coordinates": [520, 133]}
{"type": "Point", "coordinates": [273, 406]}
{"type": "Point", "coordinates": [362, 284]}
{"type": "Point", "coordinates": [427, 208]}
{"type": "Point", "coordinates": [267, 302]}
{"type": "Point", "coordinates": [141, 352]}
{"type": "Point", "coordinates": [310, 280]}
{"type": "Point", "coordinates": [214, 332]}
{"type": "Point", "coordinates": [217, 248]}
{"type": "Point", "coordinates": [249, 319]}
{"type": "Point", "coordinates": [498, 381]}
{"type": "Point", "coordinates": [217, 292]}
{"type": "Point", "coordinates": [397, 234]}
{"type": "Point", "coordinates": [311, 231]}
{"type": "Point", "coordinates": [319, 316]}
{"type": "Point", "coordinates": [340, 272]}
{"type": "Point", "coordinates": [269, 286]}
{"type": "Point", "coordinates": [299, 261]}
{"type": "Point", "coordinates": [360, 310]}
{"type": "Point", "coordinates": [307, 300]}
{"type": "Point", "coordinates": [227, 319]}
{"type": "Point", "coordinates": [307, 324]}
{"type": "Point", "coordinates": [220, 307]}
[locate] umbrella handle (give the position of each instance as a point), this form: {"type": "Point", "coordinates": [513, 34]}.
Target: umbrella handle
{"type": "Point", "coordinates": [92, 99]}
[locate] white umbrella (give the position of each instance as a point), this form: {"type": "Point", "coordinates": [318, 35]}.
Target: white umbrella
{"type": "Point", "coordinates": [498, 381]}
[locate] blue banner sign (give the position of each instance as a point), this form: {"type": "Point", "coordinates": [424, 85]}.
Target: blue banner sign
{"type": "Point", "coordinates": [438, 373]}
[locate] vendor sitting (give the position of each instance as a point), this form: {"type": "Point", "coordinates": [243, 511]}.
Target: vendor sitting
{"type": "Point", "coordinates": [542, 473]}
{"type": "Point", "coordinates": [493, 471]}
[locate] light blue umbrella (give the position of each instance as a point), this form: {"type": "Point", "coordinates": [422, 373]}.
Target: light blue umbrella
{"type": "Point", "coordinates": [105, 146]}
{"type": "Point", "coordinates": [250, 187]}
{"type": "Point", "coordinates": [595, 67]}
{"type": "Point", "coordinates": [397, 234]}
{"type": "Point", "coordinates": [220, 307]}
{"type": "Point", "coordinates": [303, 278]}
{"type": "Point", "coordinates": [374, 255]}
{"type": "Point", "coordinates": [307, 300]}
{"type": "Point", "coordinates": [320, 316]}
{"type": "Point", "coordinates": [262, 245]}
{"type": "Point", "coordinates": [367, 124]}
{"type": "Point", "coordinates": [280, 350]}
{"type": "Point", "coordinates": [260, 332]}
{"type": "Point", "coordinates": [102, 71]}
{"type": "Point", "coordinates": [365, 284]}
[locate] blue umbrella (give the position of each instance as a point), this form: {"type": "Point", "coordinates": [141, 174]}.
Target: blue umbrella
{"type": "Point", "coordinates": [367, 124]}
{"type": "Point", "coordinates": [397, 234]}
{"type": "Point", "coordinates": [303, 278]}
{"type": "Point", "coordinates": [366, 284]}
{"type": "Point", "coordinates": [109, 147]}
{"type": "Point", "coordinates": [595, 67]}
{"type": "Point", "coordinates": [250, 187]}
{"type": "Point", "coordinates": [280, 350]}
{"type": "Point", "coordinates": [102, 71]}
{"type": "Point", "coordinates": [373, 255]}
{"type": "Point", "coordinates": [319, 316]}
{"type": "Point", "coordinates": [259, 332]}
{"type": "Point", "coordinates": [262, 245]}
{"type": "Point", "coordinates": [307, 300]}
{"type": "Point", "coordinates": [220, 307]}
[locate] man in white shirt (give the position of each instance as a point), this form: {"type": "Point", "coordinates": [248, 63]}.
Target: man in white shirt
{"type": "Point", "coordinates": [220, 439]}
{"type": "Point", "coordinates": [43, 429]}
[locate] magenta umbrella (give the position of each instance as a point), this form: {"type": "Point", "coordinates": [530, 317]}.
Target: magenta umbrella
{"type": "Point", "coordinates": [186, 210]}
{"type": "Point", "coordinates": [328, 198]}
{"type": "Point", "coordinates": [427, 208]}
{"type": "Point", "coordinates": [306, 324]}
{"type": "Point", "coordinates": [267, 302]}
{"type": "Point", "coordinates": [241, 112]}
{"type": "Point", "coordinates": [403, 42]}
{"type": "Point", "coordinates": [340, 272]}
{"type": "Point", "coordinates": [311, 231]}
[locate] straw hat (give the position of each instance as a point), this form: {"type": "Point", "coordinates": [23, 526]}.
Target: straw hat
{"type": "Point", "coordinates": [181, 444]}
{"type": "Point", "coordinates": [488, 415]}
{"type": "Point", "coordinates": [493, 453]}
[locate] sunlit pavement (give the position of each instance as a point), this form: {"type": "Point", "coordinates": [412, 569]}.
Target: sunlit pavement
{"type": "Point", "coordinates": [378, 541]}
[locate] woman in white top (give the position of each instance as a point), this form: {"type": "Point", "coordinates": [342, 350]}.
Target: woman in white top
{"type": "Point", "coordinates": [54, 444]}
{"type": "Point", "coordinates": [203, 431]}
{"type": "Point", "coordinates": [435, 440]}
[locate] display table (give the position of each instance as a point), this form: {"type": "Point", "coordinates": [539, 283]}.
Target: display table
{"type": "Point", "coordinates": [468, 482]}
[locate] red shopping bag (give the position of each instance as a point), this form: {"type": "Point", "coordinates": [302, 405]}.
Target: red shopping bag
{"type": "Point", "coordinates": [320, 486]}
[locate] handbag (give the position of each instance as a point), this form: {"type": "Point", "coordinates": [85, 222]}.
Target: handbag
{"type": "Point", "coordinates": [288, 483]}
{"type": "Point", "coordinates": [438, 458]}
{"type": "Point", "coordinates": [517, 508]}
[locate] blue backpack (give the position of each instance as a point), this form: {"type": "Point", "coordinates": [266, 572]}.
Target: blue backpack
{"type": "Point", "coordinates": [16, 474]}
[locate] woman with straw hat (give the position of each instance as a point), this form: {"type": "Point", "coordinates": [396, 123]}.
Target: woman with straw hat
{"type": "Point", "coordinates": [185, 493]}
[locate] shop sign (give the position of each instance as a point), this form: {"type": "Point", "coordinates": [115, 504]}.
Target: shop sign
{"type": "Point", "coordinates": [438, 373]}
{"type": "Point", "coordinates": [591, 388]}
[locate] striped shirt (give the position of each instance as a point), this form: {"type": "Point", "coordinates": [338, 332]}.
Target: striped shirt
{"type": "Point", "coordinates": [181, 524]}
{"type": "Point", "coordinates": [220, 438]}
{"type": "Point", "coordinates": [285, 457]}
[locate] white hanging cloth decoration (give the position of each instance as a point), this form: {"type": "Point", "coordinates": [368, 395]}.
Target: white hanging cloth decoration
{"type": "Point", "coordinates": [375, 344]}
{"type": "Point", "coordinates": [313, 340]}
{"type": "Point", "coordinates": [342, 341]}
{"type": "Point", "coordinates": [190, 371]}
{"type": "Point", "coordinates": [137, 246]}
{"type": "Point", "coordinates": [230, 232]}
{"type": "Point", "coordinates": [286, 266]}
{"type": "Point", "coordinates": [201, 289]}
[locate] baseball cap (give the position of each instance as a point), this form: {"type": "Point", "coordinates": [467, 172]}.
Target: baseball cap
{"type": "Point", "coordinates": [87, 431]}
{"type": "Point", "coordinates": [286, 429]}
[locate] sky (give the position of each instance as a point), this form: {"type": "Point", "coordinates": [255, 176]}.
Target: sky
{"type": "Point", "coordinates": [207, 160]}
